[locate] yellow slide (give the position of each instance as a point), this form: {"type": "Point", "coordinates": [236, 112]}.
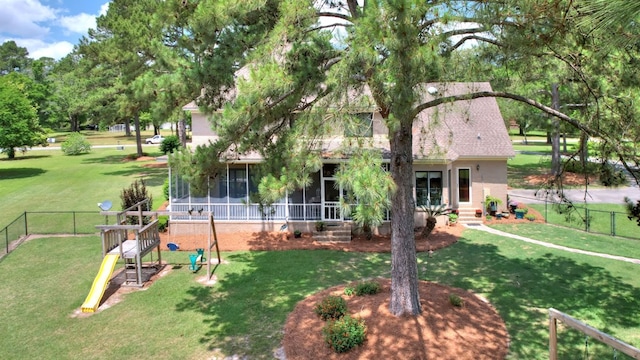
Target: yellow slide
{"type": "Point", "coordinates": [100, 283]}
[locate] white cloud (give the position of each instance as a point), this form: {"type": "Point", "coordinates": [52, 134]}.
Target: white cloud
{"type": "Point", "coordinates": [104, 8]}
{"type": "Point", "coordinates": [78, 23]}
{"type": "Point", "coordinates": [38, 48]}
{"type": "Point", "coordinates": [22, 17]}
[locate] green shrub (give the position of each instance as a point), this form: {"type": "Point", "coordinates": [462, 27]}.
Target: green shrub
{"type": "Point", "coordinates": [331, 307]}
{"type": "Point", "coordinates": [165, 189]}
{"type": "Point", "coordinates": [75, 144]}
{"type": "Point", "coordinates": [349, 291]}
{"type": "Point", "coordinates": [530, 217]}
{"type": "Point", "coordinates": [169, 144]}
{"type": "Point", "coordinates": [163, 223]}
{"type": "Point", "coordinates": [345, 333]}
{"type": "Point", "coordinates": [456, 300]}
{"type": "Point", "coordinates": [133, 195]}
{"type": "Point", "coordinates": [367, 288]}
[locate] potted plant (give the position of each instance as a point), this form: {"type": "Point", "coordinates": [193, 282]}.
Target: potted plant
{"type": "Point", "coordinates": [520, 213]}
{"type": "Point", "coordinates": [453, 219]}
{"type": "Point", "coordinates": [492, 203]}
{"type": "Point", "coordinates": [478, 213]}
{"type": "Point", "coordinates": [320, 226]}
{"type": "Point", "coordinates": [297, 234]}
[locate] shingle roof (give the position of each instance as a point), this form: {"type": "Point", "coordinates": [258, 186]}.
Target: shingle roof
{"type": "Point", "coordinates": [463, 129]}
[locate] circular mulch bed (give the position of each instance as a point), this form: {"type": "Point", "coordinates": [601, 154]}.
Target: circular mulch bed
{"type": "Point", "coordinates": [441, 331]}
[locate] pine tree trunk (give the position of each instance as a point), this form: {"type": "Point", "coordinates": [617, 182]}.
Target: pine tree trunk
{"type": "Point", "coordinates": [405, 299]}
{"type": "Point", "coordinates": [182, 132]}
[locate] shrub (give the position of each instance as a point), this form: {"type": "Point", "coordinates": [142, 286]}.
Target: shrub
{"type": "Point", "coordinates": [367, 288]}
{"type": "Point", "coordinates": [75, 144]}
{"type": "Point", "coordinates": [530, 217]}
{"type": "Point", "coordinates": [165, 189]}
{"type": "Point", "coordinates": [331, 307]}
{"type": "Point", "coordinates": [345, 333]}
{"type": "Point", "coordinates": [456, 300]}
{"type": "Point", "coordinates": [349, 291]}
{"type": "Point", "coordinates": [133, 195]}
{"type": "Point", "coordinates": [169, 144]}
{"type": "Point", "coordinates": [163, 223]}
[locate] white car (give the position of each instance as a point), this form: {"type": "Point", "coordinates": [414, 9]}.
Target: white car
{"type": "Point", "coordinates": [154, 140]}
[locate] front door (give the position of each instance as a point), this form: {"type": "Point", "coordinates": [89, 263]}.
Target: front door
{"type": "Point", "coordinates": [464, 185]}
{"type": "Point", "coordinates": [331, 200]}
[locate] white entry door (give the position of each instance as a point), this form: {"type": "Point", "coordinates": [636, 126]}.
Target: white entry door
{"type": "Point", "coordinates": [331, 200]}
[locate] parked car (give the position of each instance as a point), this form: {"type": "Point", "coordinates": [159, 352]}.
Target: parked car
{"type": "Point", "coordinates": [154, 140]}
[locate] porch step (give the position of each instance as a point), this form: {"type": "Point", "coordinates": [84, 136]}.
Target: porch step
{"type": "Point", "coordinates": [335, 232]}
{"type": "Point", "coordinates": [468, 216]}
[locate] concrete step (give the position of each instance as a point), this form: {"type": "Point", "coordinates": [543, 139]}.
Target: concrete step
{"type": "Point", "coordinates": [335, 232]}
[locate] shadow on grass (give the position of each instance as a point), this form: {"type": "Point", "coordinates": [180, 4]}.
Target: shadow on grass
{"type": "Point", "coordinates": [20, 173]}
{"type": "Point", "coordinates": [25, 157]}
{"type": "Point", "coordinates": [522, 289]}
{"type": "Point", "coordinates": [247, 309]}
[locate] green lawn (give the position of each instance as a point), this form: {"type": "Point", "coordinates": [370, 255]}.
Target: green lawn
{"type": "Point", "coordinates": [46, 280]}
{"type": "Point", "coordinates": [47, 180]}
{"type": "Point", "coordinates": [604, 219]}
{"type": "Point", "coordinates": [575, 239]}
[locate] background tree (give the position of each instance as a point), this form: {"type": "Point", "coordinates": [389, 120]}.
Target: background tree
{"type": "Point", "coordinates": [19, 125]}
{"type": "Point", "coordinates": [13, 58]}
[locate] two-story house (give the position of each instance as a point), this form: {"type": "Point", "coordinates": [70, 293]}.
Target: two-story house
{"type": "Point", "coordinates": [460, 154]}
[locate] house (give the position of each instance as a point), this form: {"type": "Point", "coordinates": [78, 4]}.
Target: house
{"type": "Point", "coordinates": [460, 156]}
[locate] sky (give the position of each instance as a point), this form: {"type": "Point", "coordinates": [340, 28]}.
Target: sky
{"type": "Point", "coordinates": [48, 28]}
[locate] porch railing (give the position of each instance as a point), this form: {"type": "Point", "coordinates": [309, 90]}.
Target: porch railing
{"type": "Point", "coordinates": [252, 212]}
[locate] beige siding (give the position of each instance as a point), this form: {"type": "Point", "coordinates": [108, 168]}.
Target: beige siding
{"type": "Point", "coordinates": [491, 178]}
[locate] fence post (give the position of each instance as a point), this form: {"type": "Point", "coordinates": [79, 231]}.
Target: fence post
{"type": "Point", "coordinates": [553, 337]}
{"type": "Point", "coordinates": [587, 222]}
{"type": "Point", "coordinates": [26, 230]}
{"type": "Point", "coordinates": [613, 223]}
{"type": "Point", "coordinates": [74, 224]}
{"type": "Point", "coordinates": [546, 216]}
{"type": "Point", "coordinates": [6, 238]}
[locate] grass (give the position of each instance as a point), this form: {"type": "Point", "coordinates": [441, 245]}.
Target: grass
{"type": "Point", "coordinates": [46, 280]}
{"type": "Point", "coordinates": [522, 166]}
{"type": "Point", "coordinates": [603, 218]}
{"type": "Point", "coordinates": [47, 180]}
{"type": "Point", "coordinates": [575, 239]}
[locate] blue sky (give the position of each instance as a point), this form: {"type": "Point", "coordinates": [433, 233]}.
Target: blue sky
{"type": "Point", "coordinates": [48, 27]}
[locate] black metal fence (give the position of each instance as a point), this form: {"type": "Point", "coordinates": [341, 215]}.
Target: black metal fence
{"type": "Point", "coordinates": [48, 222]}
{"type": "Point", "coordinates": [576, 216]}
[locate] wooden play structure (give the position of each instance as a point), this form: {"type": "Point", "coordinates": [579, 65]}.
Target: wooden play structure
{"type": "Point", "coordinates": [130, 243]}
{"type": "Point", "coordinates": [198, 259]}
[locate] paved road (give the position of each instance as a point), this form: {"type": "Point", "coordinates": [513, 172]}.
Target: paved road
{"type": "Point", "coordinates": [611, 196]}
{"type": "Point", "coordinates": [92, 146]}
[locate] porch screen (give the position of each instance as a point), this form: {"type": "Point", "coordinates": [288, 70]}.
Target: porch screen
{"type": "Point", "coordinates": [428, 188]}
